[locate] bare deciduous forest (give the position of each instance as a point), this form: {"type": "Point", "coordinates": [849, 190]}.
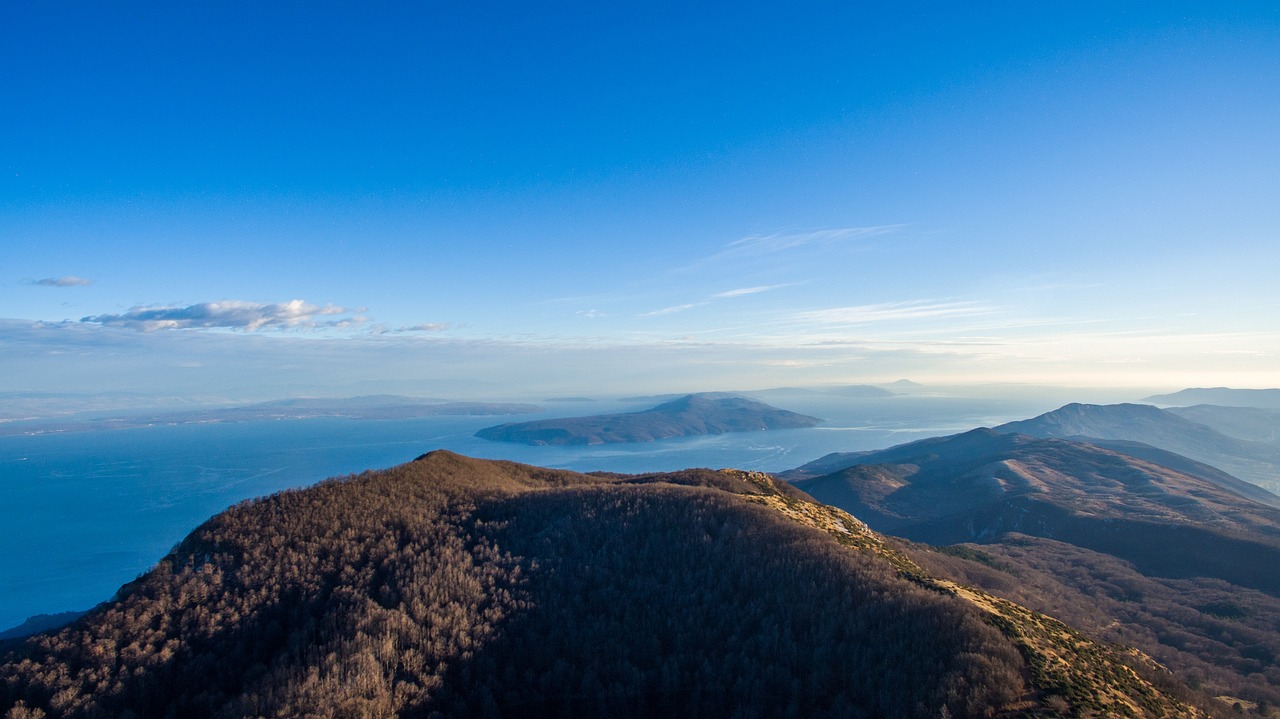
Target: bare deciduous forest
{"type": "Point", "coordinates": [458, 587]}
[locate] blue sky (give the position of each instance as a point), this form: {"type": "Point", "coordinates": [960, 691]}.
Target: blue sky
{"type": "Point", "coordinates": [236, 201]}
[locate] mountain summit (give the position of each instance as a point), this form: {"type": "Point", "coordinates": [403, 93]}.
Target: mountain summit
{"type": "Point", "coordinates": [466, 588]}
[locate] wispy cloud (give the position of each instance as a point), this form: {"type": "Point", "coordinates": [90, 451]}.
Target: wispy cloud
{"type": "Point", "coordinates": [590, 314]}
{"type": "Point", "coordinates": [792, 245]}
{"type": "Point", "coordinates": [746, 291]}
{"type": "Point", "coordinates": [727, 294]}
{"type": "Point", "coordinates": [673, 309]}
{"type": "Point", "coordinates": [230, 314]}
{"type": "Point", "coordinates": [381, 329]}
{"type": "Point", "coordinates": [783, 241]}
{"type": "Point", "coordinates": [893, 312]}
{"type": "Point", "coordinates": [68, 281]}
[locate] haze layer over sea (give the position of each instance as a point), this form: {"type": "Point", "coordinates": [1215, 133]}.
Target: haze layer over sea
{"type": "Point", "coordinates": [84, 512]}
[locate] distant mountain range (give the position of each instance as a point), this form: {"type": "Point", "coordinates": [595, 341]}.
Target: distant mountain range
{"type": "Point", "coordinates": [364, 407]}
{"type": "Point", "coordinates": [1226, 396]}
{"type": "Point", "coordinates": [1249, 423]}
{"type": "Point", "coordinates": [1135, 543]}
{"type": "Point", "coordinates": [465, 588]}
{"type": "Point", "coordinates": [981, 484]}
{"type": "Point", "coordinates": [693, 414]}
{"type": "Point", "coordinates": [1254, 462]}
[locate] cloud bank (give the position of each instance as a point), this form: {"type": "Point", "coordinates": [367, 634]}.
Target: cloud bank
{"type": "Point", "coordinates": [230, 314]}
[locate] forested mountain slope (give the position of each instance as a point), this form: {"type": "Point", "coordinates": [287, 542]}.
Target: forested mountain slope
{"type": "Point", "coordinates": [458, 587]}
{"type": "Point", "coordinates": [1126, 549]}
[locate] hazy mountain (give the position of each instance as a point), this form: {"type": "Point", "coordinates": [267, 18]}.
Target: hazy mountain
{"type": "Point", "coordinates": [1265, 398]}
{"type": "Point", "coordinates": [365, 407]}
{"type": "Point", "coordinates": [1254, 462]}
{"type": "Point", "coordinates": [836, 461]}
{"type": "Point", "coordinates": [982, 484]}
{"type": "Point", "coordinates": [690, 415]}
{"type": "Point", "coordinates": [458, 587]}
{"type": "Point", "coordinates": [1249, 423]}
{"type": "Point", "coordinates": [1163, 559]}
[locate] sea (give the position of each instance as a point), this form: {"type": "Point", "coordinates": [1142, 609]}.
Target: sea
{"type": "Point", "coordinates": [82, 513]}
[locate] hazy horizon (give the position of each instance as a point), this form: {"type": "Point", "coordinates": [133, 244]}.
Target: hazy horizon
{"type": "Point", "coordinates": [245, 202]}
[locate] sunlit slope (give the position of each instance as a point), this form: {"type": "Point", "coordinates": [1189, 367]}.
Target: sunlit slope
{"type": "Point", "coordinates": [1126, 549]}
{"type": "Point", "coordinates": [1255, 462]}
{"type": "Point", "coordinates": [980, 485]}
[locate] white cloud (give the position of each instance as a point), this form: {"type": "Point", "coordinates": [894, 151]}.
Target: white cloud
{"type": "Point", "coordinates": [68, 281]}
{"type": "Point", "coordinates": [230, 314]}
{"type": "Point", "coordinates": [426, 327]}
{"type": "Point", "coordinates": [591, 314]}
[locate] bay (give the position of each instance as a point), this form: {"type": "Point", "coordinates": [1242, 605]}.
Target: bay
{"type": "Point", "coordinates": [83, 513]}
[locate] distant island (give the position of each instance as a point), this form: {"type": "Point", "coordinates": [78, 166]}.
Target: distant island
{"type": "Point", "coordinates": [693, 414]}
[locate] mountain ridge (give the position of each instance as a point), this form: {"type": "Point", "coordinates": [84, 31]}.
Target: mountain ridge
{"type": "Point", "coordinates": [469, 587]}
{"type": "Point", "coordinates": [1253, 462]}
{"type": "Point", "coordinates": [1098, 530]}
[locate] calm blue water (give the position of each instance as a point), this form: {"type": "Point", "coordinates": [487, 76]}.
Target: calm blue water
{"type": "Point", "coordinates": [83, 513]}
